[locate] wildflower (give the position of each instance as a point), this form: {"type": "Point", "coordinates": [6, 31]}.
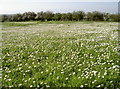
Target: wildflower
{"type": "Point", "coordinates": [20, 84]}
{"type": "Point", "coordinates": [81, 86]}
{"type": "Point", "coordinates": [30, 85]}
{"type": "Point", "coordinates": [66, 78]}
{"type": "Point", "coordinates": [73, 73]}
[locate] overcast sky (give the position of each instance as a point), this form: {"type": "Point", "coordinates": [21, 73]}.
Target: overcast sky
{"type": "Point", "coordinates": [59, 0]}
{"type": "Point", "coordinates": [20, 6]}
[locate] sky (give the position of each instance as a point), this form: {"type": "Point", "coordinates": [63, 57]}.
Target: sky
{"type": "Point", "coordinates": [59, 0]}
{"type": "Point", "coordinates": [21, 6]}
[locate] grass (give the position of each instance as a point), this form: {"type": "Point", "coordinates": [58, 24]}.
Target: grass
{"type": "Point", "coordinates": [27, 23]}
{"type": "Point", "coordinates": [57, 55]}
{"type": "Point", "coordinates": [16, 24]}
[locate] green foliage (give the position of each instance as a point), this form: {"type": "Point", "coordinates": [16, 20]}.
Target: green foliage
{"type": "Point", "coordinates": [64, 17]}
{"type": "Point", "coordinates": [27, 16]}
{"type": "Point", "coordinates": [40, 16]}
{"type": "Point", "coordinates": [71, 16]}
{"type": "Point", "coordinates": [97, 16]}
{"type": "Point", "coordinates": [78, 15]}
{"type": "Point", "coordinates": [115, 17]}
{"type": "Point", "coordinates": [106, 16]}
{"type": "Point", "coordinates": [48, 15]}
{"type": "Point", "coordinates": [57, 16]}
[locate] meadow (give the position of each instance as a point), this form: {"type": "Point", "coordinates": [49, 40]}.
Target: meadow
{"type": "Point", "coordinates": [60, 54]}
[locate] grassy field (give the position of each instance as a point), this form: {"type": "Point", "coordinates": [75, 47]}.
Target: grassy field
{"type": "Point", "coordinates": [60, 54]}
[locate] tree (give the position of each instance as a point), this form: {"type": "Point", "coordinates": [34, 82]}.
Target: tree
{"type": "Point", "coordinates": [115, 17]}
{"type": "Point", "coordinates": [48, 15]}
{"type": "Point", "coordinates": [64, 17]}
{"type": "Point", "coordinates": [40, 16]}
{"type": "Point", "coordinates": [15, 17]}
{"type": "Point", "coordinates": [57, 16]}
{"type": "Point", "coordinates": [4, 18]}
{"type": "Point", "coordinates": [28, 16]}
{"type": "Point", "coordinates": [89, 16]}
{"type": "Point", "coordinates": [78, 15]}
{"type": "Point", "coordinates": [69, 16]}
{"type": "Point", "coordinates": [97, 16]}
{"type": "Point", "coordinates": [106, 16]}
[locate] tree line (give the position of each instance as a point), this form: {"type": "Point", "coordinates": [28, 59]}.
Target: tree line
{"type": "Point", "coordinates": [70, 16]}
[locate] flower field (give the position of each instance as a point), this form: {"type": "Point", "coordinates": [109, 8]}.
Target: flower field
{"type": "Point", "coordinates": [71, 54]}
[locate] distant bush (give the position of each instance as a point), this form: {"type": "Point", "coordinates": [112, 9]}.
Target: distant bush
{"type": "Point", "coordinates": [71, 16]}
